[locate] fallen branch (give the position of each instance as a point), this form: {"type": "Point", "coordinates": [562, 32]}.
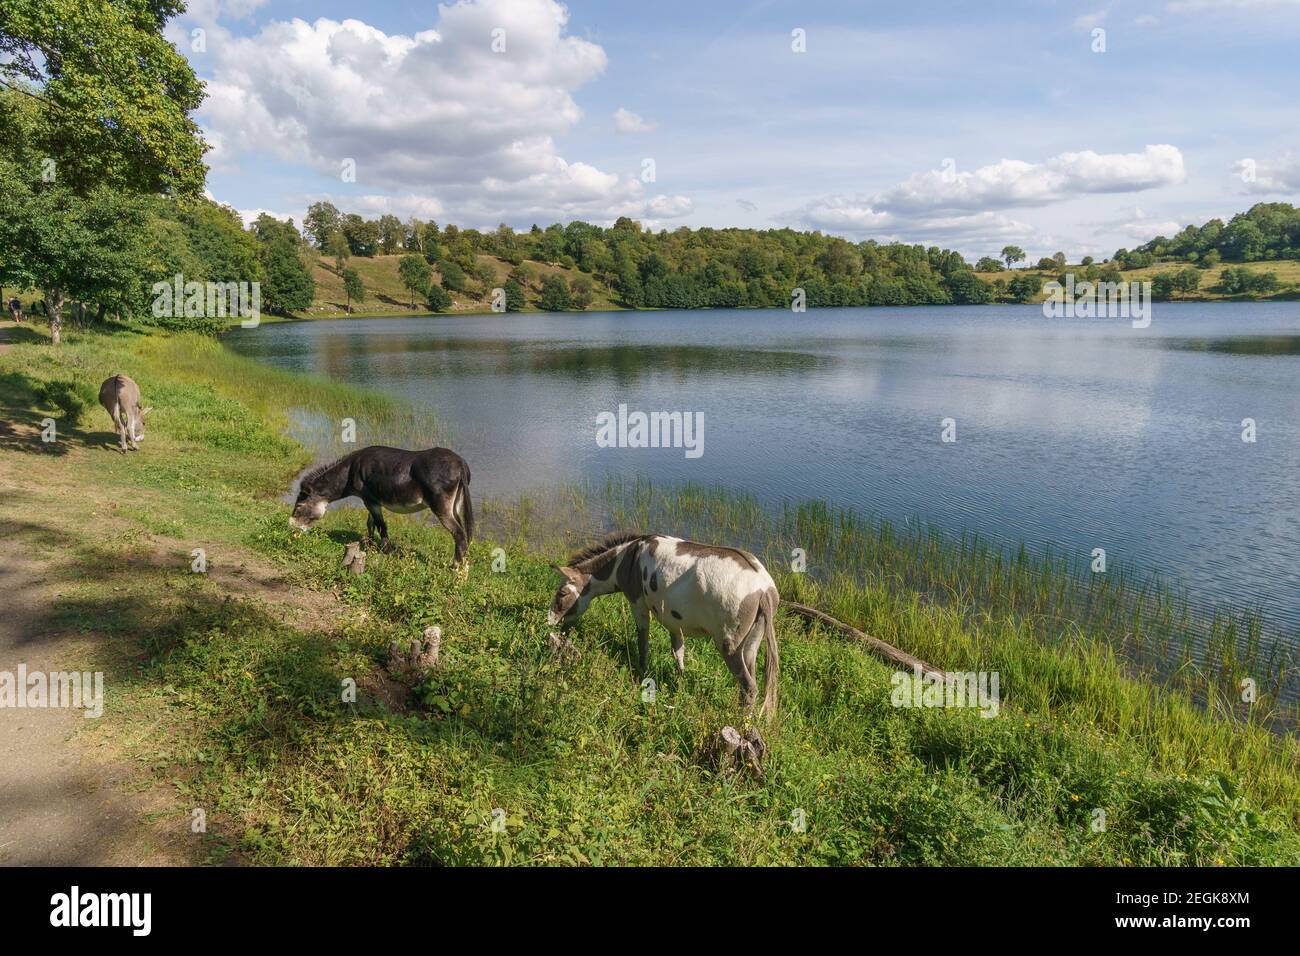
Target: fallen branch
{"type": "Point", "coordinates": [874, 644]}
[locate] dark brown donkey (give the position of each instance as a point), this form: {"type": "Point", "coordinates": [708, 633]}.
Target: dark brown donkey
{"type": "Point", "coordinates": [396, 480]}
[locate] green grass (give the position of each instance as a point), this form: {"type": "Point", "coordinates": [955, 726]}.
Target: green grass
{"type": "Point", "coordinates": [243, 712]}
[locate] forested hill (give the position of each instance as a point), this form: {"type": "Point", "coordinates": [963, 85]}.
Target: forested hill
{"type": "Point", "coordinates": [1268, 231]}
{"type": "Point", "coordinates": [683, 268]}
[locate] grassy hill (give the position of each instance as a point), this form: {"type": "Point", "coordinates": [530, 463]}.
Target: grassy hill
{"type": "Point", "coordinates": [385, 294]}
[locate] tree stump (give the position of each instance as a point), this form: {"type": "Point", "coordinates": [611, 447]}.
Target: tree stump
{"type": "Point", "coordinates": [740, 752]}
{"type": "Point", "coordinates": [412, 665]}
{"type": "Point", "coordinates": [354, 559]}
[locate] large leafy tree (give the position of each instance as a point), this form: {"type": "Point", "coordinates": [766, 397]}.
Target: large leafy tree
{"type": "Point", "coordinates": [115, 97]}
{"type": "Point", "coordinates": [415, 274]}
{"type": "Point", "coordinates": [288, 285]}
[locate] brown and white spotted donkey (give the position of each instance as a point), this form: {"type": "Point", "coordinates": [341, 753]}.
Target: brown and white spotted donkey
{"type": "Point", "coordinates": [691, 589]}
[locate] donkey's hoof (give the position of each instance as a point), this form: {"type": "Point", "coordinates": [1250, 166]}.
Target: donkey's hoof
{"type": "Point", "coordinates": [462, 572]}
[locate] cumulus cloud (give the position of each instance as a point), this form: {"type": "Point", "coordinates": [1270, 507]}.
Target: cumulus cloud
{"type": "Point", "coordinates": [962, 207]}
{"type": "Point", "coordinates": [462, 112]}
{"type": "Point", "coordinates": [1280, 175]}
{"type": "Point", "coordinates": [1013, 182]}
{"type": "Point", "coordinates": [625, 121]}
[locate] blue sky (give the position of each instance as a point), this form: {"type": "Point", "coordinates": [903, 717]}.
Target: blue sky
{"type": "Point", "coordinates": [965, 125]}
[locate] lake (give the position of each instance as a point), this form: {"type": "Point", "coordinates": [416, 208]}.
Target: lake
{"type": "Point", "coordinates": [1072, 434]}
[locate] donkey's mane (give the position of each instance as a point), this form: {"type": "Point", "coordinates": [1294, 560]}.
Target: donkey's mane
{"type": "Point", "coordinates": [611, 540]}
{"type": "Point", "coordinates": [311, 474]}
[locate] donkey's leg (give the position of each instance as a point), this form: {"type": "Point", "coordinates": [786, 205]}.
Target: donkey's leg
{"type": "Point", "coordinates": [733, 652]}
{"type": "Point", "coordinates": [123, 424]}
{"type": "Point", "coordinates": [443, 505]}
{"type": "Point", "coordinates": [679, 651]}
{"type": "Point", "coordinates": [376, 522]}
{"type": "Point", "coordinates": [641, 614]}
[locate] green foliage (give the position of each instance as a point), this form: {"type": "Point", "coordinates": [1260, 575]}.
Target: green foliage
{"type": "Point", "coordinates": [415, 274]}
{"type": "Point", "coordinates": [1012, 254]}
{"type": "Point", "coordinates": [288, 285]}
{"type": "Point", "coordinates": [515, 301]}
{"type": "Point", "coordinates": [353, 287]}
{"type": "Point", "coordinates": [988, 264]}
{"type": "Point", "coordinates": [1265, 231]}
{"type": "Point", "coordinates": [438, 300]}
{"type": "Point", "coordinates": [1022, 288]}
{"type": "Point", "coordinates": [73, 399]}
{"type": "Point", "coordinates": [453, 276]}
{"type": "Point", "coordinates": [554, 296]}
{"type": "Point", "coordinates": [116, 95]}
{"type": "Point", "coordinates": [1240, 280]}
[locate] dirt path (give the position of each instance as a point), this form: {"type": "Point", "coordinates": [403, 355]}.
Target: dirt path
{"type": "Point", "coordinates": [69, 795]}
{"type": "Point", "coordinates": [59, 803]}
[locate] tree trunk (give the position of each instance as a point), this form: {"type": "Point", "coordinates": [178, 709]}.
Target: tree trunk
{"type": "Point", "coordinates": [54, 306]}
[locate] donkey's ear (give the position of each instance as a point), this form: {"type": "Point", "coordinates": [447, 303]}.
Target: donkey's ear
{"type": "Point", "coordinates": [145, 411]}
{"type": "Point", "coordinates": [568, 573]}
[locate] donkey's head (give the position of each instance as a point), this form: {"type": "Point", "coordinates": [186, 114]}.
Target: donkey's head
{"type": "Point", "coordinates": [139, 425]}
{"type": "Point", "coordinates": [571, 598]}
{"type": "Point", "coordinates": [309, 508]}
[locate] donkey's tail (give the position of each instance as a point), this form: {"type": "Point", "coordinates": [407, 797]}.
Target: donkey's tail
{"type": "Point", "coordinates": [465, 508]}
{"type": "Point", "coordinates": [772, 668]}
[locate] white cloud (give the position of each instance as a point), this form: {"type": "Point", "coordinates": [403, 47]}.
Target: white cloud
{"type": "Point", "coordinates": [1280, 175]}
{"type": "Point", "coordinates": [961, 207]}
{"type": "Point", "coordinates": [1013, 182]}
{"type": "Point", "coordinates": [625, 121]}
{"type": "Point", "coordinates": [436, 113]}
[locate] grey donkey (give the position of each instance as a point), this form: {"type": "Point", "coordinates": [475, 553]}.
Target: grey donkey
{"type": "Point", "coordinates": [120, 397]}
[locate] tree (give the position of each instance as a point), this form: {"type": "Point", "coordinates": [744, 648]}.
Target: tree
{"type": "Point", "coordinates": [1022, 288]}
{"type": "Point", "coordinates": [362, 234]}
{"type": "Point", "coordinates": [288, 286]}
{"type": "Point", "coordinates": [439, 300]}
{"type": "Point", "coordinates": [1012, 255]}
{"type": "Point", "coordinates": [336, 245]}
{"type": "Point", "coordinates": [91, 248]}
{"type": "Point", "coordinates": [391, 233]}
{"type": "Point", "coordinates": [353, 287]}
{"type": "Point", "coordinates": [554, 296]}
{"type": "Point", "coordinates": [581, 291]}
{"type": "Point", "coordinates": [453, 276]}
{"type": "Point", "coordinates": [116, 95]}
{"type": "Point", "coordinates": [988, 264]}
{"type": "Point", "coordinates": [322, 222]}
{"type": "Point", "coordinates": [1059, 259]}
{"type": "Point", "coordinates": [515, 301]}
{"type": "Point", "coordinates": [414, 273]}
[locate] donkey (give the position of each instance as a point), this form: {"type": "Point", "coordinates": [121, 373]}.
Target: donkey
{"type": "Point", "coordinates": [120, 397]}
{"type": "Point", "coordinates": [399, 480]}
{"type": "Point", "coordinates": [691, 589]}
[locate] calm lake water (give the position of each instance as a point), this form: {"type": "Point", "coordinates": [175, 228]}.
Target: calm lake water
{"type": "Point", "coordinates": [1071, 433]}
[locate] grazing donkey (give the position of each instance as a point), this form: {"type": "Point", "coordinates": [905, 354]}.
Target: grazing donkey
{"type": "Point", "coordinates": [399, 480]}
{"type": "Point", "coordinates": [121, 399]}
{"type": "Point", "coordinates": [691, 589]}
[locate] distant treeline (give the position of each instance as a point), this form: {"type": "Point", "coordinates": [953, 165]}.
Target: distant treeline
{"type": "Point", "coordinates": [1266, 231]}
{"type": "Point", "coordinates": [683, 268]}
